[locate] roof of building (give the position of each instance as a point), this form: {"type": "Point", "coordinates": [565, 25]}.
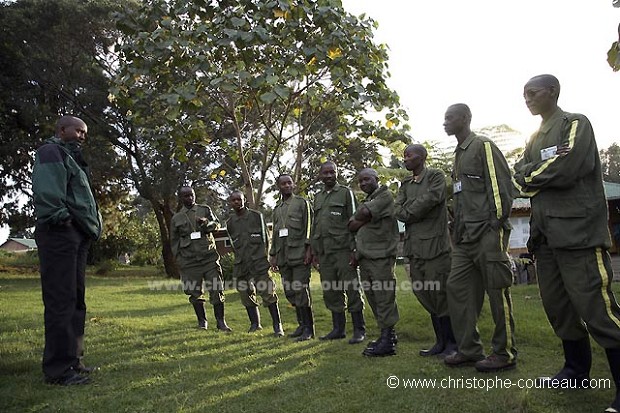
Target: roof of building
{"type": "Point", "coordinates": [612, 190]}
{"type": "Point", "coordinates": [27, 242]}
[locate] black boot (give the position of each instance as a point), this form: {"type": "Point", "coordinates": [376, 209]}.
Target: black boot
{"type": "Point", "coordinates": [199, 308]}
{"type": "Point", "coordinates": [385, 346]}
{"type": "Point", "coordinates": [439, 345]}
{"type": "Point", "coordinates": [308, 324]}
{"type": "Point", "coordinates": [577, 363]}
{"type": "Point", "coordinates": [300, 327]}
{"type": "Point", "coordinates": [218, 311]}
{"type": "Point", "coordinates": [359, 327]}
{"type": "Point", "coordinates": [339, 321]}
{"type": "Point", "coordinates": [254, 317]}
{"type": "Point", "coordinates": [375, 342]}
{"type": "Point", "coordinates": [274, 311]}
{"type": "Point", "coordinates": [613, 357]}
{"type": "Point", "coordinates": [450, 346]}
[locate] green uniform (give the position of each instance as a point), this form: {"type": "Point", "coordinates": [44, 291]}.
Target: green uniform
{"type": "Point", "coordinates": [421, 205]}
{"type": "Point", "coordinates": [333, 243]}
{"type": "Point", "coordinates": [376, 243]}
{"type": "Point", "coordinates": [482, 204]}
{"type": "Point", "coordinates": [568, 229]}
{"type": "Point", "coordinates": [249, 239]}
{"type": "Point", "coordinates": [193, 247]}
{"type": "Point", "coordinates": [292, 220]}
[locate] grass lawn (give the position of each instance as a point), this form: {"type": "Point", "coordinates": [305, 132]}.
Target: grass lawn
{"type": "Point", "coordinates": [153, 359]}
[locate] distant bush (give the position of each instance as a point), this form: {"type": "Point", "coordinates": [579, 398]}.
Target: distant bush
{"type": "Point", "coordinates": [19, 259]}
{"type": "Point", "coordinates": [227, 261]}
{"type": "Point", "coordinates": [106, 266]}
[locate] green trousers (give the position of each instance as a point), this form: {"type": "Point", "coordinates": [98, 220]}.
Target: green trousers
{"type": "Point", "coordinates": [209, 273]}
{"type": "Point", "coordinates": [340, 282]}
{"type": "Point", "coordinates": [252, 279]}
{"type": "Point", "coordinates": [428, 280]}
{"type": "Point", "coordinates": [477, 268]}
{"type": "Point", "coordinates": [296, 284]}
{"type": "Point", "coordinates": [379, 284]}
{"type": "Point", "coordinates": [575, 287]}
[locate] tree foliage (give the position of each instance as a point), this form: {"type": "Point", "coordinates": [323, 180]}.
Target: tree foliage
{"type": "Point", "coordinates": [610, 163]}
{"type": "Point", "coordinates": [48, 51]}
{"type": "Point", "coordinates": [270, 85]}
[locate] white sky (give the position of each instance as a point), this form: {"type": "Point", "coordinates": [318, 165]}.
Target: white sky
{"type": "Point", "coordinates": [481, 52]}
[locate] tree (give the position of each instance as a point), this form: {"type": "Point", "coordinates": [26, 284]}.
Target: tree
{"type": "Point", "coordinates": [613, 55]}
{"type": "Point", "coordinates": [265, 82]}
{"type": "Point", "coordinates": [610, 163]}
{"type": "Point", "coordinates": [48, 69]}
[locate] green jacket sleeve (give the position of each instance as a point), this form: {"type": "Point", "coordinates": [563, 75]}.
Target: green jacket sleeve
{"type": "Point", "coordinates": [561, 171]}
{"type": "Point", "coordinates": [499, 182]}
{"type": "Point", "coordinates": [415, 210]}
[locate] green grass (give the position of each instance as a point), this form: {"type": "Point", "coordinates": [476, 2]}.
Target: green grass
{"type": "Point", "coordinates": [152, 359]}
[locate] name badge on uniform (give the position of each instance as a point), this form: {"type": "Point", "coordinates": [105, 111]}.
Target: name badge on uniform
{"type": "Point", "coordinates": [195, 235]}
{"type": "Point", "coordinates": [548, 153]}
{"type": "Point", "coordinates": [283, 232]}
{"type": "Point", "coordinates": [457, 187]}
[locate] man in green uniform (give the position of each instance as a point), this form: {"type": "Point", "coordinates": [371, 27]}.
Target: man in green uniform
{"type": "Point", "coordinates": [421, 205]}
{"type": "Point", "coordinates": [333, 249]}
{"type": "Point", "coordinates": [249, 239]}
{"type": "Point", "coordinates": [482, 204]}
{"type": "Point", "coordinates": [561, 172]}
{"type": "Point", "coordinates": [290, 253]}
{"type": "Point", "coordinates": [376, 241]}
{"type": "Point", "coordinates": [193, 246]}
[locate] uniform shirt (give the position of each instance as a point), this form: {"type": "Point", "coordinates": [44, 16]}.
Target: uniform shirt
{"type": "Point", "coordinates": [421, 205]}
{"type": "Point", "coordinates": [483, 191]}
{"type": "Point", "coordinates": [292, 220]}
{"type": "Point", "coordinates": [190, 251]}
{"type": "Point", "coordinates": [248, 236]}
{"type": "Point", "coordinates": [61, 188]}
{"type": "Point", "coordinates": [569, 208]}
{"type": "Point", "coordinates": [378, 238]}
{"type": "Point", "coordinates": [332, 210]}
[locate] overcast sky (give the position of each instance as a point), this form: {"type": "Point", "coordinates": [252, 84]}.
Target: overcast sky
{"type": "Point", "coordinates": [481, 52]}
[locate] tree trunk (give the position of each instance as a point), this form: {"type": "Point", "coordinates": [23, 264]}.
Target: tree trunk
{"type": "Point", "coordinates": [163, 213]}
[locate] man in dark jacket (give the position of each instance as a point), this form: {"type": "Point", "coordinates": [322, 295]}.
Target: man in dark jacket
{"type": "Point", "coordinates": [561, 172]}
{"type": "Point", "coordinates": [67, 221]}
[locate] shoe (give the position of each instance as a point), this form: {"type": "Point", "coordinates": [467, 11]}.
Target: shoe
{"type": "Point", "coordinates": [70, 379]}
{"type": "Point", "coordinates": [339, 323]}
{"type": "Point", "coordinates": [82, 369]}
{"type": "Point", "coordinates": [385, 346]}
{"type": "Point", "coordinates": [459, 359]}
{"type": "Point", "coordinates": [495, 363]}
{"type": "Point", "coordinates": [359, 327]}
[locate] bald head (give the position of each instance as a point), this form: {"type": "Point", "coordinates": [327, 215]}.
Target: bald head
{"type": "Point", "coordinates": [461, 109]}
{"type": "Point", "coordinates": [417, 149]}
{"type": "Point", "coordinates": [457, 121]}
{"type": "Point", "coordinates": [414, 158]}
{"type": "Point", "coordinates": [541, 95]}
{"type": "Point", "coordinates": [368, 179]}
{"type": "Point", "coordinates": [71, 129]}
